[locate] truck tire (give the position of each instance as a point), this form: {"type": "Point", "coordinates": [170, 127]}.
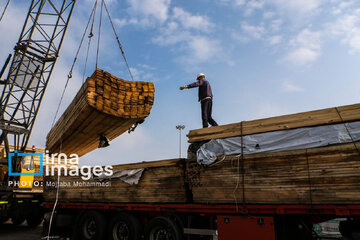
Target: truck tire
{"type": "Point", "coordinates": [34, 220]}
{"type": "Point", "coordinates": [17, 220]}
{"type": "Point", "coordinates": [35, 217]}
{"type": "Point", "coordinates": [162, 228]}
{"type": "Point", "coordinates": [124, 226]}
{"type": "Point", "coordinates": [350, 229]}
{"type": "Point", "coordinates": [3, 219]}
{"type": "Point", "coordinates": [91, 226]}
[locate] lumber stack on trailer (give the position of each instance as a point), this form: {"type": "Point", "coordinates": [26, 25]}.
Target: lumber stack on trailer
{"type": "Point", "coordinates": [161, 182]}
{"type": "Point", "coordinates": [312, 175]}
{"type": "Point", "coordinates": [306, 119]}
{"type": "Point", "coordinates": [326, 175]}
{"type": "Point", "coordinates": [104, 105]}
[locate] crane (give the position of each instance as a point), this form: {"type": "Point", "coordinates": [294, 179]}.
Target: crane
{"type": "Point", "coordinates": [30, 69]}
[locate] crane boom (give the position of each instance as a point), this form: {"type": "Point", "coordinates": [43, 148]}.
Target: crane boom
{"type": "Point", "coordinates": [35, 55]}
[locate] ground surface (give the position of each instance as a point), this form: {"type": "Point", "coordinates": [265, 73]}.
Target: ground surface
{"type": "Point", "coordinates": [8, 231]}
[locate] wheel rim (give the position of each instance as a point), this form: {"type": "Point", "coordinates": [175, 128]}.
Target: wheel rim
{"type": "Point", "coordinates": [90, 229]}
{"type": "Point", "coordinates": [161, 234]}
{"type": "Point", "coordinates": [121, 231]}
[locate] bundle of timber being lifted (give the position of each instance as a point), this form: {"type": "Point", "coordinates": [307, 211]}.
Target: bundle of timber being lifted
{"type": "Point", "coordinates": [104, 106]}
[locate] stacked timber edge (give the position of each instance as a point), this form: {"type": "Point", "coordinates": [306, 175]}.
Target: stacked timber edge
{"type": "Point", "coordinates": [326, 175]}
{"type": "Point", "coordinates": [105, 105]}
{"type": "Point", "coordinates": [323, 175]}
{"type": "Point", "coordinates": [161, 182]}
{"type": "Point", "coordinates": [306, 119]}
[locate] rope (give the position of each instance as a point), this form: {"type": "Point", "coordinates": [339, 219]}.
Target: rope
{"type": "Point", "coordinates": [216, 163]}
{"type": "Point", "coordinates": [348, 131]}
{"type": "Point", "coordinates": [3, 13]}
{"type": "Point", "coordinates": [57, 110]}
{"type": "Point", "coordinates": [98, 45]}
{"type": "Point", "coordinates": [238, 170]}
{"type": "Point", "coordinates": [118, 41]}
{"type": "Point", "coordinates": [73, 65]}
{"type": "Point", "coordinates": [89, 43]}
{"type": "Point", "coordinates": [57, 196]}
{"type": "Point", "coordinates": [242, 165]}
{"type": "Point", "coordinates": [309, 179]}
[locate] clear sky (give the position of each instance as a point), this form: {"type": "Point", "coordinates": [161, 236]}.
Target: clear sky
{"type": "Point", "coordinates": [263, 58]}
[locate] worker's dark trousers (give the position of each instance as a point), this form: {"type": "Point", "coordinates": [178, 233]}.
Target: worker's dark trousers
{"type": "Point", "coordinates": [206, 108]}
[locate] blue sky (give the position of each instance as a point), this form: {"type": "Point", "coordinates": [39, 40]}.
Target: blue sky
{"type": "Point", "coordinates": [263, 58]}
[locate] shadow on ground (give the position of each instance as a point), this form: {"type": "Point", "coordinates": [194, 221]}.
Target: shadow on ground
{"type": "Point", "coordinates": [9, 231]}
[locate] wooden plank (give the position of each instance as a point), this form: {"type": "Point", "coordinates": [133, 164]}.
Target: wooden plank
{"type": "Point", "coordinates": [305, 119]}
{"type": "Point", "coordinates": [327, 175]}
{"type": "Point", "coordinates": [161, 182]}
{"type": "Point", "coordinates": [104, 105]}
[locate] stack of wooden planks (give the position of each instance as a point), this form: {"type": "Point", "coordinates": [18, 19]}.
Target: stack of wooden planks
{"type": "Point", "coordinates": [324, 175]}
{"type": "Point", "coordinates": [161, 182]}
{"type": "Point", "coordinates": [105, 105]}
{"type": "Point", "coordinates": [327, 175]}
{"type": "Point", "coordinates": [305, 119]}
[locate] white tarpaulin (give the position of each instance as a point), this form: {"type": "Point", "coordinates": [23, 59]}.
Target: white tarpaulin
{"type": "Point", "coordinates": [131, 176]}
{"type": "Point", "coordinates": [277, 141]}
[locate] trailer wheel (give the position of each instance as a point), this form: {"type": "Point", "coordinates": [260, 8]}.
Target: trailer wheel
{"type": "Point", "coordinates": [91, 226]}
{"type": "Point", "coordinates": [35, 217]}
{"type": "Point", "coordinates": [3, 219]}
{"type": "Point", "coordinates": [34, 220]}
{"type": "Point", "coordinates": [124, 226]}
{"type": "Point", "coordinates": [350, 229]}
{"type": "Point", "coordinates": [162, 228]}
{"type": "Point", "coordinates": [17, 220]}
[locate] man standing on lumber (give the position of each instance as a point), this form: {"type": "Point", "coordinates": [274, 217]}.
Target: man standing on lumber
{"type": "Point", "coordinates": [205, 98]}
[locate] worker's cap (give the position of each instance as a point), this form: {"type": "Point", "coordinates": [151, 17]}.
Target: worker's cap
{"type": "Point", "coordinates": [200, 75]}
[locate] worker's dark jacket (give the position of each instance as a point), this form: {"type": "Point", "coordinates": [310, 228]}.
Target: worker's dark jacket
{"type": "Point", "coordinates": [204, 88]}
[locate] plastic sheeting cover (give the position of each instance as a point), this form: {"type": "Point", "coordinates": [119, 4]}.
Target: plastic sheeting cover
{"type": "Point", "coordinates": [278, 141]}
{"type": "Point", "coordinates": [131, 176]}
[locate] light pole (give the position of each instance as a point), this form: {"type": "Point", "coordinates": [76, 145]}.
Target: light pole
{"type": "Point", "coordinates": [180, 127]}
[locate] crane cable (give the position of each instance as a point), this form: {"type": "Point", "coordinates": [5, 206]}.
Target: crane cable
{"type": "Point", "coordinates": [57, 110]}
{"type": "Point", "coordinates": [73, 65]}
{"type": "Point", "coordinates": [118, 42]}
{"type": "Point", "coordinates": [98, 44]}
{"type": "Point", "coordinates": [91, 34]}
{"type": "Point", "coordinates": [3, 13]}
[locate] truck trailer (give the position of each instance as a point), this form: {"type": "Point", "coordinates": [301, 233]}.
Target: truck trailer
{"type": "Point", "coordinates": [270, 179]}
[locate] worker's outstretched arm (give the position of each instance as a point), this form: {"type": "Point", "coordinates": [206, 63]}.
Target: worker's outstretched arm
{"type": "Point", "coordinates": [192, 85]}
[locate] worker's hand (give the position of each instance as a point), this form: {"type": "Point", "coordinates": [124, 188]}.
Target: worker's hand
{"type": "Point", "coordinates": [182, 88]}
